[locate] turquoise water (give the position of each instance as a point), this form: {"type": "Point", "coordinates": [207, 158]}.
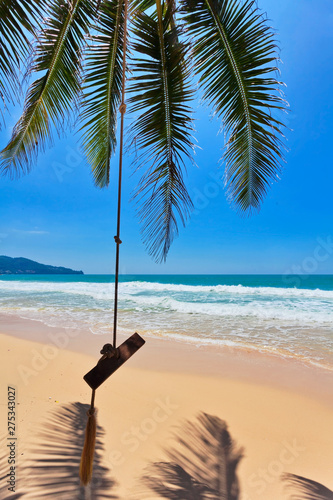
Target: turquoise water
{"type": "Point", "coordinates": [305, 281]}
{"type": "Point", "coordinates": [286, 315]}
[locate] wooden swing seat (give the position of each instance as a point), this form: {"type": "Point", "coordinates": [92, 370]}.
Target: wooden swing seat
{"type": "Point", "coordinates": [105, 367]}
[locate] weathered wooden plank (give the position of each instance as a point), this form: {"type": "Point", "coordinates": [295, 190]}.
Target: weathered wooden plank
{"type": "Point", "coordinates": [108, 366]}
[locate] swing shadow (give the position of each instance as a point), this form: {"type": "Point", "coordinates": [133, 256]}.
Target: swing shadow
{"type": "Point", "coordinates": [308, 489]}
{"type": "Point", "coordinates": [202, 465]}
{"type": "Point", "coordinates": [54, 468]}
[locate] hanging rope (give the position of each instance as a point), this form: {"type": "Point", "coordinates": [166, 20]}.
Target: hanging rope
{"type": "Point", "coordinates": [122, 110]}
{"type": "Point", "coordinates": [87, 458]}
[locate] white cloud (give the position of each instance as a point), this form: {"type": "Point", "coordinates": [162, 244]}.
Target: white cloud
{"type": "Point", "coordinates": [34, 231]}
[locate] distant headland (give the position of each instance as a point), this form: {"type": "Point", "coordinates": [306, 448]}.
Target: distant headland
{"type": "Point", "coordinates": [19, 265]}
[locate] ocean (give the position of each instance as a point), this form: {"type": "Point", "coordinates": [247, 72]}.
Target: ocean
{"type": "Point", "coordinates": [289, 316]}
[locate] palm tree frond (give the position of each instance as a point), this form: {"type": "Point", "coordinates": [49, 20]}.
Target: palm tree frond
{"type": "Point", "coordinates": [18, 19]}
{"type": "Point", "coordinates": [52, 97]}
{"type": "Point", "coordinates": [235, 56]}
{"type": "Point", "coordinates": [102, 90]}
{"type": "Point", "coordinates": [142, 5]}
{"type": "Point", "coordinates": [162, 132]}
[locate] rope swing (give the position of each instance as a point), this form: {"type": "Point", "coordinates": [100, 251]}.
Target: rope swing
{"type": "Point", "coordinates": [112, 356]}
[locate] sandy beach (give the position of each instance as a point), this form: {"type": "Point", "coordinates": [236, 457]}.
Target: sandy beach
{"type": "Point", "coordinates": [277, 412]}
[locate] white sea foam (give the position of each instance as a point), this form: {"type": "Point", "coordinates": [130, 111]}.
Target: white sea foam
{"type": "Point", "coordinates": [134, 287]}
{"type": "Point", "coordinates": [286, 320]}
{"type": "Point", "coordinates": [103, 290]}
{"type": "Point", "coordinates": [95, 290]}
{"type": "Point", "coordinates": [303, 306]}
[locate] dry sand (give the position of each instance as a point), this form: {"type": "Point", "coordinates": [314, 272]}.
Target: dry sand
{"type": "Point", "coordinates": [279, 411]}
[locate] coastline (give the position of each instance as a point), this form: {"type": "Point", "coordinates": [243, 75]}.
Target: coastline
{"type": "Point", "coordinates": [164, 354]}
{"type": "Point", "coordinates": [243, 312]}
{"type": "Point", "coordinates": [279, 410]}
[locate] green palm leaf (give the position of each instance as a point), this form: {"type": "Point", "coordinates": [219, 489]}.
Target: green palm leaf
{"type": "Point", "coordinates": [162, 131]}
{"type": "Point", "coordinates": [52, 97]}
{"type": "Point", "coordinates": [142, 5]}
{"type": "Point", "coordinates": [18, 20]}
{"type": "Point", "coordinates": [103, 89]}
{"type": "Point", "coordinates": [234, 53]}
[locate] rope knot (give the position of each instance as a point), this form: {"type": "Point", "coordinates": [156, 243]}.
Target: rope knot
{"type": "Point", "coordinates": [117, 240]}
{"type": "Point", "coordinates": [122, 108]}
{"type": "Point", "coordinates": [90, 412]}
{"type": "Point", "coordinates": [109, 351]}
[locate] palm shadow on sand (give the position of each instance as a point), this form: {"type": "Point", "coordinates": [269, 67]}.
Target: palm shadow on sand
{"type": "Point", "coordinates": [202, 465]}
{"type": "Point", "coordinates": [308, 489]}
{"type": "Point", "coordinates": [54, 468]}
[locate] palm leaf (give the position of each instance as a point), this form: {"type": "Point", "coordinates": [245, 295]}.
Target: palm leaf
{"type": "Point", "coordinates": [235, 55]}
{"type": "Point", "coordinates": [142, 5]}
{"type": "Point", "coordinates": [103, 89]}
{"type": "Point", "coordinates": [162, 131]}
{"type": "Point", "coordinates": [52, 97]}
{"type": "Point", "coordinates": [18, 20]}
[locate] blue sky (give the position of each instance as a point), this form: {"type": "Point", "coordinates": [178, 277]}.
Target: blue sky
{"type": "Point", "coordinates": [56, 216]}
